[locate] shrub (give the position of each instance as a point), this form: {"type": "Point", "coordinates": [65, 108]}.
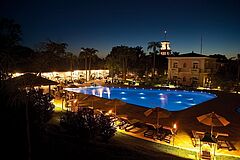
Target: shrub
{"type": "Point", "coordinates": [86, 125]}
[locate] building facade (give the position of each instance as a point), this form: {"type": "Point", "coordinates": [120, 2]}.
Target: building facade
{"type": "Point", "coordinates": [191, 69]}
{"type": "Point", "coordinates": [73, 75]}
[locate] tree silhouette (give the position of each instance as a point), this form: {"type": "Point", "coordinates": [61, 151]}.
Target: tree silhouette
{"type": "Point", "coordinates": [50, 56]}
{"type": "Point", "coordinates": [154, 46]}
{"type": "Point", "coordinates": [10, 33]}
{"type": "Point", "coordinates": [10, 36]}
{"type": "Point", "coordinates": [88, 54]}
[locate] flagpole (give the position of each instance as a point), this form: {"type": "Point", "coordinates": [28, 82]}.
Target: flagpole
{"type": "Point", "coordinates": [211, 130]}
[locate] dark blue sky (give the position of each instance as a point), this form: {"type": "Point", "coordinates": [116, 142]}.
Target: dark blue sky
{"type": "Point", "coordinates": [102, 24]}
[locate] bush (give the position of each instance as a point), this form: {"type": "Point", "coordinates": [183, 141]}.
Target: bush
{"type": "Point", "coordinates": [86, 125]}
{"type": "Point", "coordinates": [106, 128]}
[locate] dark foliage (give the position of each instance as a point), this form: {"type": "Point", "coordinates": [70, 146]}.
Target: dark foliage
{"type": "Point", "coordinates": [106, 129]}
{"type": "Point", "coordinates": [14, 120]}
{"type": "Point", "coordinates": [41, 108]}
{"type": "Point", "coordinates": [87, 126]}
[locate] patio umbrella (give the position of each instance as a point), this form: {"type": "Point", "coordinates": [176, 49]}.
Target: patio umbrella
{"type": "Point", "coordinates": [91, 98]}
{"type": "Point", "coordinates": [160, 112]}
{"type": "Point", "coordinates": [115, 102]}
{"type": "Point", "coordinates": [213, 120]}
{"type": "Point", "coordinates": [31, 80]}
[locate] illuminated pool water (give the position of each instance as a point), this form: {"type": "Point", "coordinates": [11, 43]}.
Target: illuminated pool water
{"type": "Point", "coordinates": [172, 100]}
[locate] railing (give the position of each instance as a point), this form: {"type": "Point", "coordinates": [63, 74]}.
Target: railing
{"type": "Point", "coordinates": [195, 70]}
{"type": "Point", "coordinates": [175, 69]}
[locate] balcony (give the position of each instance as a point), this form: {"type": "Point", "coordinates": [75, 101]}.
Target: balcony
{"type": "Point", "coordinates": [175, 69]}
{"type": "Point", "coordinates": [195, 70]}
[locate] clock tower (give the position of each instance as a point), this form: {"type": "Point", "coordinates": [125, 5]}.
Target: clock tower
{"type": "Point", "coordinates": [165, 47]}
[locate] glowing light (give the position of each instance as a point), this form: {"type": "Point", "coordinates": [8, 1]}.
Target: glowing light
{"type": "Point", "coordinates": [175, 126]}
{"type": "Point", "coordinates": [160, 94]}
{"type": "Point", "coordinates": [75, 101]}
{"type": "Point", "coordinates": [141, 93]}
{"type": "Point", "coordinates": [189, 98]}
{"type": "Point", "coordinates": [122, 93]}
{"type": "Point", "coordinates": [108, 92]}
{"type": "Point", "coordinates": [192, 104]}
{"type": "Point", "coordinates": [178, 102]}
{"type": "Point", "coordinates": [179, 95]}
{"type": "Point", "coordinates": [162, 98]}
{"type": "Point", "coordinates": [143, 97]}
{"type": "Point", "coordinates": [123, 98]}
{"type": "Point", "coordinates": [100, 91]}
{"type": "Point", "coordinates": [110, 112]}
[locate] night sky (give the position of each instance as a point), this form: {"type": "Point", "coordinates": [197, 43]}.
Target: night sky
{"type": "Point", "coordinates": [102, 24]}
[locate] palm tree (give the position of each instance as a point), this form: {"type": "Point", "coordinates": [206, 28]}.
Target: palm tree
{"type": "Point", "coordinates": [112, 64]}
{"type": "Point", "coordinates": [154, 46]}
{"type": "Point", "coordinates": [88, 54]}
{"type": "Point", "coordinates": [83, 55]}
{"type": "Point", "coordinates": [92, 54]}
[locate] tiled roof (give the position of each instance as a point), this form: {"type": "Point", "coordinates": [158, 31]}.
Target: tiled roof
{"type": "Point", "coordinates": [192, 54]}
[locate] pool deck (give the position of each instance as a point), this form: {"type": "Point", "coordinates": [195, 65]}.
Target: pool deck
{"type": "Point", "coordinates": [225, 105]}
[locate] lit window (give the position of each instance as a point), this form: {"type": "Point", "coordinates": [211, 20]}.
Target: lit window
{"type": "Point", "coordinates": [195, 65]}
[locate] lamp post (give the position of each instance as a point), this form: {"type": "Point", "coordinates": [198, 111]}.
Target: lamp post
{"type": "Point", "coordinates": [174, 131]}
{"type": "Point", "coordinates": [63, 97]}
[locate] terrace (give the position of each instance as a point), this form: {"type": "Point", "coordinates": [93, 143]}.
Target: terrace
{"type": "Point", "coordinates": [182, 145]}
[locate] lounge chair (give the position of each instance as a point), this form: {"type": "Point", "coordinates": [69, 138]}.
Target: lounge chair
{"type": "Point", "coordinates": [196, 137]}
{"type": "Point", "coordinates": [166, 133]}
{"type": "Point", "coordinates": [222, 141]}
{"type": "Point", "coordinates": [132, 124]}
{"type": "Point", "coordinates": [151, 131]}
{"type": "Point", "coordinates": [206, 155]}
{"type": "Point", "coordinates": [123, 122]}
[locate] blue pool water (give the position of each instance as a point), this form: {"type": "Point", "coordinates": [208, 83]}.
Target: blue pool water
{"type": "Point", "coordinates": [172, 100]}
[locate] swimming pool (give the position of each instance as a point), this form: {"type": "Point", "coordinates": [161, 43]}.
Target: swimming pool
{"type": "Point", "coordinates": [172, 100]}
